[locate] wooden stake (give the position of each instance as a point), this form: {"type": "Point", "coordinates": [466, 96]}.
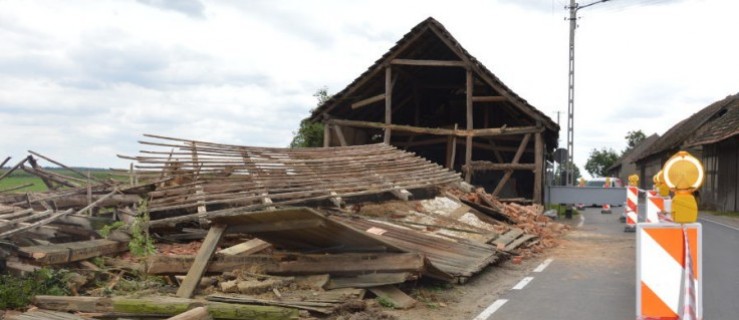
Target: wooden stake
{"type": "Point", "coordinates": [202, 259]}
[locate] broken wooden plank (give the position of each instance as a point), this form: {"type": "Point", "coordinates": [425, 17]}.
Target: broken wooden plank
{"type": "Point", "coordinates": [202, 259]}
{"type": "Point", "coordinates": [515, 244]}
{"type": "Point", "coordinates": [320, 307]}
{"type": "Point", "coordinates": [369, 280]}
{"type": "Point", "coordinates": [71, 251]}
{"type": "Point", "coordinates": [393, 295]}
{"type": "Point", "coordinates": [335, 264]}
{"type": "Point", "coordinates": [246, 248]}
{"type": "Point", "coordinates": [199, 313]}
{"type": "Point", "coordinates": [508, 237]}
{"type": "Point", "coordinates": [160, 306]}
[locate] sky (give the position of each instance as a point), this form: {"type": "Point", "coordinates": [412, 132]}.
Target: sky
{"type": "Point", "coordinates": [82, 81]}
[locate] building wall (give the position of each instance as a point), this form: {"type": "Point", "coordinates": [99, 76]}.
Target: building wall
{"type": "Point", "coordinates": [721, 189]}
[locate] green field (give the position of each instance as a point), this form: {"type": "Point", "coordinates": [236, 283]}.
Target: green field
{"type": "Point", "coordinates": [19, 178]}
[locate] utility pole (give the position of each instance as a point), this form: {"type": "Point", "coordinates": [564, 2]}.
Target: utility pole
{"type": "Point", "coordinates": [569, 165]}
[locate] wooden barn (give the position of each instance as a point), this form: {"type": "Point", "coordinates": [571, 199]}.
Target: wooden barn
{"type": "Point", "coordinates": [428, 95]}
{"type": "Point", "coordinates": [712, 135]}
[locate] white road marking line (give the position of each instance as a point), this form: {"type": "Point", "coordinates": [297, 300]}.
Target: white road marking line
{"type": "Point", "coordinates": [582, 219]}
{"type": "Point", "coordinates": [521, 284]}
{"type": "Point", "coordinates": [491, 309]}
{"type": "Point", "coordinates": [719, 223]}
{"type": "Point", "coordinates": [543, 265]}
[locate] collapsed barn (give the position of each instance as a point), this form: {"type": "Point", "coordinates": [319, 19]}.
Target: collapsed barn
{"type": "Point", "coordinates": [267, 231]}
{"type": "Point", "coordinates": [428, 95]}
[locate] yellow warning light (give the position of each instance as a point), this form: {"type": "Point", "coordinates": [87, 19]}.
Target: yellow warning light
{"type": "Point", "coordinates": [683, 173]}
{"type": "Point", "coordinates": [582, 182]}
{"type": "Point", "coordinates": [659, 183]}
{"type": "Point", "coordinates": [608, 182]}
{"type": "Point", "coordinates": [634, 180]}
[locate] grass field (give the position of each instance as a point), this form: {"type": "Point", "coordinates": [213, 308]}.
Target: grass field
{"type": "Point", "coordinates": [19, 178]}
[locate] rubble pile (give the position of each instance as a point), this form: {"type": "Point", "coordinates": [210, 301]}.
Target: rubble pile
{"type": "Point", "coordinates": [269, 232]}
{"type": "Point", "coordinates": [529, 218]}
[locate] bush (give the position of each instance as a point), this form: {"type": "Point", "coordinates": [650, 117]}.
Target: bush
{"type": "Point", "coordinates": [16, 293]}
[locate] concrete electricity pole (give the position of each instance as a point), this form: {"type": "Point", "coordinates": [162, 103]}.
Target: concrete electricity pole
{"type": "Point", "coordinates": [569, 165]}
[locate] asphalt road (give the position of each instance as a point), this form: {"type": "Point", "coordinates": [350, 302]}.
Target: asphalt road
{"type": "Point", "coordinates": [592, 275]}
{"type": "Point", "coordinates": [720, 268]}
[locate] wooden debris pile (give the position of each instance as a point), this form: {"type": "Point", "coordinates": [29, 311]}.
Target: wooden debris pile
{"type": "Point", "coordinates": [263, 232]}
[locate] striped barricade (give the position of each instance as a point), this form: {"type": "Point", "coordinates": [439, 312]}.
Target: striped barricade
{"type": "Point", "coordinates": [668, 271]}
{"type": "Point", "coordinates": [632, 208]}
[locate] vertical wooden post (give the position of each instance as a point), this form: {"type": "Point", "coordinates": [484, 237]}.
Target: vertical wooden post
{"type": "Point", "coordinates": [130, 174]}
{"type": "Point", "coordinates": [388, 102]}
{"type": "Point", "coordinates": [326, 135]}
{"type": "Point", "coordinates": [538, 167]}
{"type": "Point", "coordinates": [468, 144]}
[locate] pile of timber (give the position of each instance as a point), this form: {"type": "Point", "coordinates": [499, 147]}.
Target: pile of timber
{"type": "Point", "coordinates": [264, 231]}
{"type": "Point", "coordinates": [208, 178]}
{"type": "Point", "coordinates": [60, 225]}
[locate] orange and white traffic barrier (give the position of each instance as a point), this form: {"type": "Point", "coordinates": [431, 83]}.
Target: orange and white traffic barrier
{"type": "Point", "coordinates": [655, 208]}
{"type": "Point", "coordinates": [669, 271]}
{"type": "Point", "coordinates": [632, 199]}
{"type": "Point", "coordinates": [632, 207]}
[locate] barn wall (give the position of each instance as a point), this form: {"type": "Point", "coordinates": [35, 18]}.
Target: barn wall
{"type": "Point", "coordinates": [727, 191]}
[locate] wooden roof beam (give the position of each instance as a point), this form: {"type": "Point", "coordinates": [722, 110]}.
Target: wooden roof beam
{"type": "Point", "coordinates": [489, 99]}
{"type": "Point", "coordinates": [429, 63]}
{"type": "Point", "coordinates": [489, 132]}
{"type": "Point", "coordinates": [368, 101]}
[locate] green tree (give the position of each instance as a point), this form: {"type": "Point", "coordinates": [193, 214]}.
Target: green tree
{"type": "Point", "coordinates": [310, 134]}
{"type": "Point", "coordinates": [599, 161]}
{"type": "Point", "coordinates": [633, 139]}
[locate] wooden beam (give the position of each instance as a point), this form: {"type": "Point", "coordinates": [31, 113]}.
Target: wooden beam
{"type": "Point", "coordinates": [340, 135]}
{"type": "Point", "coordinates": [202, 259]}
{"type": "Point", "coordinates": [539, 164]}
{"type": "Point", "coordinates": [199, 313]}
{"type": "Point", "coordinates": [470, 127]}
{"type": "Point", "coordinates": [72, 251]}
{"type": "Point", "coordinates": [453, 155]}
{"type": "Point", "coordinates": [489, 99]}
{"type": "Point", "coordinates": [429, 63]}
{"type": "Point", "coordinates": [388, 104]}
{"type": "Point", "coordinates": [486, 165]}
{"type": "Point", "coordinates": [161, 306]}
{"type": "Point", "coordinates": [246, 248]}
{"type": "Point", "coordinates": [326, 135]}
{"type": "Point", "coordinates": [489, 132]}
{"type": "Point", "coordinates": [368, 101]}
{"type": "Point", "coordinates": [516, 158]}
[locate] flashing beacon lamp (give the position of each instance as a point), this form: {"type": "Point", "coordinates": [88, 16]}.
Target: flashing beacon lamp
{"type": "Point", "coordinates": [683, 174]}
{"type": "Point", "coordinates": [633, 180]}
{"type": "Point", "coordinates": [660, 185]}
